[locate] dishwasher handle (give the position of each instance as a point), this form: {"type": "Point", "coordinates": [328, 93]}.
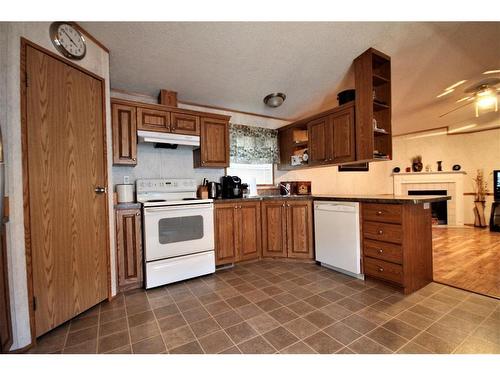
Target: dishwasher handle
{"type": "Point", "coordinates": [335, 207]}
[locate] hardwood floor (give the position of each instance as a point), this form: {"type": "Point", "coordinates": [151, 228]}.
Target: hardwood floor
{"type": "Point", "coordinates": [467, 258]}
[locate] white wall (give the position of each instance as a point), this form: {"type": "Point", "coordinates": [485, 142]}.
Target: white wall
{"type": "Point", "coordinates": [471, 151]}
{"type": "Point", "coordinates": [97, 61]}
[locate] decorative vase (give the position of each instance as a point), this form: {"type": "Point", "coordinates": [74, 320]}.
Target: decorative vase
{"type": "Point", "coordinates": [479, 219]}
{"type": "Point", "coordinates": [417, 167]}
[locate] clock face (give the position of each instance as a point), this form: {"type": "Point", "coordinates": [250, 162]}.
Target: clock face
{"type": "Point", "coordinates": [68, 40]}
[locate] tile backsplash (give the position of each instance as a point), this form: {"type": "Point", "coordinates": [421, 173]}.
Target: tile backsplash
{"type": "Point", "coordinates": [164, 163]}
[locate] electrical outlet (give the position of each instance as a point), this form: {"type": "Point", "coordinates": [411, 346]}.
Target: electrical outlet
{"type": "Point", "coordinates": [126, 179]}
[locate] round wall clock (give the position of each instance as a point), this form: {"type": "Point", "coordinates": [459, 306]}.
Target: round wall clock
{"type": "Point", "coordinates": [68, 40]}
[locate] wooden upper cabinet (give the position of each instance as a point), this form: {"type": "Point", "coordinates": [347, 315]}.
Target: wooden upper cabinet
{"type": "Point", "coordinates": [249, 230]}
{"type": "Point", "coordinates": [153, 120]}
{"type": "Point", "coordinates": [274, 229]}
{"type": "Point", "coordinates": [129, 249]}
{"type": "Point", "coordinates": [343, 144]}
{"type": "Point", "coordinates": [225, 233]}
{"type": "Point", "coordinates": [183, 123]}
{"type": "Point", "coordinates": [299, 229]}
{"type": "Point", "coordinates": [318, 130]}
{"type": "Point", "coordinates": [214, 144]}
{"type": "Point", "coordinates": [124, 129]}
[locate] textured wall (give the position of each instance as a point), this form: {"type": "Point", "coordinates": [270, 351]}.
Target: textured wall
{"type": "Point", "coordinates": [96, 61]}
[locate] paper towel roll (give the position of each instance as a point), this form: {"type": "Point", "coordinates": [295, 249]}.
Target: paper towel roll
{"type": "Point", "coordinates": [125, 193]}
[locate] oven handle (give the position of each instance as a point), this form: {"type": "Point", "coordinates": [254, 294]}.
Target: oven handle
{"type": "Point", "coordinates": [202, 206]}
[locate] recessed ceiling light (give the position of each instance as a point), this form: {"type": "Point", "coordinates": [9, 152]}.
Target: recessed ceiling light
{"type": "Point", "coordinates": [492, 71]}
{"type": "Point", "coordinates": [275, 99]}
{"type": "Point", "coordinates": [455, 85]}
{"type": "Point", "coordinates": [445, 93]}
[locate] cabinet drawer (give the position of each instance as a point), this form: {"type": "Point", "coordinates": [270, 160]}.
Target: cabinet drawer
{"type": "Point", "coordinates": [385, 213]}
{"type": "Point", "coordinates": [383, 270]}
{"type": "Point", "coordinates": [382, 232]}
{"type": "Point", "coordinates": [383, 250]}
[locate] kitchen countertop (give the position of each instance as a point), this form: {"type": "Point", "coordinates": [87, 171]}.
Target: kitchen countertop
{"type": "Point", "coordinates": [376, 198]}
{"type": "Point", "coordinates": [127, 206]}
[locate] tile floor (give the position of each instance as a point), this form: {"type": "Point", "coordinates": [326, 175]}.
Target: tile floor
{"type": "Point", "coordinates": [283, 307]}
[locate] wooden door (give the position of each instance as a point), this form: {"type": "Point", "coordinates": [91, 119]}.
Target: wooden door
{"type": "Point", "coordinates": [342, 128]}
{"type": "Point", "coordinates": [249, 231]}
{"type": "Point", "coordinates": [129, 249]}
{"type": "Point", "coordinates": [183, 123]}
{"type": "Point", "coordinates": [273, 229]}
{"type": "Point", "coordinates": [299, 230]}
{"type": "Point", "coordinates": [124, 128]}
{"type": "Point", "coordinates": [153, 120]}
{"type": "Point", "coordinates": [225, 233]}
{"type": "Point", "coordinates": [214, 142]}
{"type": "Point", "coordinates": [5, 321]}
{"type": "Point", "coordinates": [67, 221]}
{"type": "Point", "coordinates": [318, 131]}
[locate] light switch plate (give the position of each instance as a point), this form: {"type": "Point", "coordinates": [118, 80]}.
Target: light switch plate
{"type": "Point", "coordinates": [126, 179]}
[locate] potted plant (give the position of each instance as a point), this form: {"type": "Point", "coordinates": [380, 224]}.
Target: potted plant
{"type": "Point", "coordinates": [480, 191]}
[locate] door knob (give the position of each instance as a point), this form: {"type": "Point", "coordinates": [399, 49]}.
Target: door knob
{"type": "Point", "coordinates": [100, 190]}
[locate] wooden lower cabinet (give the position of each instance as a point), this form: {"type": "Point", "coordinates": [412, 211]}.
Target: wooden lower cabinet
{"type": "Point", "coordinates": [287, 229]}
{"type": "Point", "coordinates": [274, 242]}
{"type": "Point", "coordinates": [237, 232]}
{"type": "Point", "coordinates": [397, 244]}
{"type": "Point", "coordinates": [129, 249]}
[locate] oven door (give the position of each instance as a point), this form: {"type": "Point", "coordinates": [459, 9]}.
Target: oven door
{"type": "Point", "coordinates": [173, 231]}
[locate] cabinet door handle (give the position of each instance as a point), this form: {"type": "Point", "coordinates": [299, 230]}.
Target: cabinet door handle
{"type": "Point", "coordinates": [380, 269]}
{"type": "Point", "coordinates": [379, 213]}
{"type": "Point", "coordinates": [380, 251]}
{"type": "Point", "coordinates": [380, 231]}
{"type": "Point", "coordinates": [283, 205]}
{"type": "Point", "coordinates": [137, 214]}
{"type": "Point", "coordinates": [134, 159]}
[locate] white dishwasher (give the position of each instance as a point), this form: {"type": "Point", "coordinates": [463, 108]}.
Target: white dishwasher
{"type": "Point", "coordinates": [336, 232]}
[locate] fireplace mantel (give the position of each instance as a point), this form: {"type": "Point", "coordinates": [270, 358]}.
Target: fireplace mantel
{"type": "Point", "coordinates": [451, 181]}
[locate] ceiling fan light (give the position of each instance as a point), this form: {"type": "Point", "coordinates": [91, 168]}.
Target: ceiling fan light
{"type": "Point", "coordinates": [275, 99]}
{"type": "Point", "coordinates": [486, 100]}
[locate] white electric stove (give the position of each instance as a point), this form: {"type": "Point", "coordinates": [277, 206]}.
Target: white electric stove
{"type": "Point", "coordinates": [178, 231]}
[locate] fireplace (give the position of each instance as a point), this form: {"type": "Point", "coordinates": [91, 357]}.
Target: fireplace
{"type": "Point", "coordinates": [439, 209]}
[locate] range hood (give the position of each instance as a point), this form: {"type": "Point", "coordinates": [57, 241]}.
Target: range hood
{"type": "Point", "coordinates": [168, 138]}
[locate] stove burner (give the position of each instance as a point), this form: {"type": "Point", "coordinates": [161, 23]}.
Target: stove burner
{"type": "Point", "coordinates": [189, 199]}
{"type": "Point", "coordinates": [156, 200]}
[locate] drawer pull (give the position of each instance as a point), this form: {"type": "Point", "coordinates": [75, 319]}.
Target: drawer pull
{"type": "Point", "coordinates": [380, 231]}
{"type": "Point", "coordinates": [380, 269]}
{"type": "Point", "coordinates": [380, 251]}
{"type": "Point", "coordinates": [379, 213]}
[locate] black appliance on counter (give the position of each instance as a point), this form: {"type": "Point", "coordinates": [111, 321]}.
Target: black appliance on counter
{"type": "Point", "coordinates": [495, 207]}
{"type": "Point", "coordinates": [214, 190]}
{"type": "Point", "coordinates": [231, 187]}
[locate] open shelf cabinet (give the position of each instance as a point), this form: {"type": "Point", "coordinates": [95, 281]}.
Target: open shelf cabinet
{"type": "Point", "coordinates": [372, 71]}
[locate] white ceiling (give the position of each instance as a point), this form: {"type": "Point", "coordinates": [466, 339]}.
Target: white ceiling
{"type": "Point", "coordinates": [234, 65]}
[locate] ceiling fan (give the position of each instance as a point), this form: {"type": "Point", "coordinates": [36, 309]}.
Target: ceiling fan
{"type": "Point", "coordinates": [483, 94]}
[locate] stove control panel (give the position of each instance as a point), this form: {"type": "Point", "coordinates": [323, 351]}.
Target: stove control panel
{"type": "Point", "coordinates": [165, 185]}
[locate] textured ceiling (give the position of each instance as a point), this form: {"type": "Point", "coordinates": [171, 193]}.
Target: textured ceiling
{"type": "Point", "coordinates": [234, 65]}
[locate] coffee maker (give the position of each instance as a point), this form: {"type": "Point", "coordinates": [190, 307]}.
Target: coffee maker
{"type": "Point", "coordinates": [495, 207]}
{"type": "Point", "coordinates": [231, 187]}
